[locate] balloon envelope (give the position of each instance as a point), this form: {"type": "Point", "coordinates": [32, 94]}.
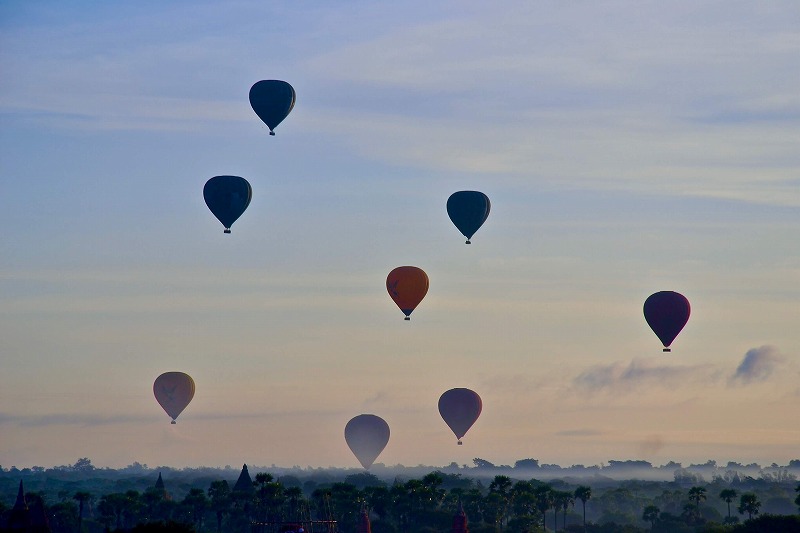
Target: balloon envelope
{"type": "Point", "coordinates": [367, 436]}
{"type": "Point", "coordinates": [407, 285]}
{"type": "Point", "coordinates": [272, 100]}
{"type": "Point", "coordinates": [666, 312]}
{"type": "Point", "coordinates": [460, 408]}
{"type": "Point", "coordinates": [468, 210]}
{"type": "Point", "coordinates": [227, 197]}
{"type": "Point", "coordinates": [174, 391]}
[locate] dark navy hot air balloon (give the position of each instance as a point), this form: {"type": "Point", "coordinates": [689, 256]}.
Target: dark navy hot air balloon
{"type": "Point", "coordinates": [666, 312]}
{"type": "Point", "coordinates": [460, 408]}
{"type": "Point", "coordinates": [272, 100]}
{"type": "Point", "coordinates": [367, 436]}
{"type": "Point", "coordinates": [227, 197]}
{"type": "Point", "coordinates": [468, 210]}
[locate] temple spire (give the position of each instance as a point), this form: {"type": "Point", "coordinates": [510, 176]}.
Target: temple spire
{"type": "Point", "coordinates": [245, 482]}
{"type": "Point", "coordinates": [363, 524]}
{"type": "Point", "coordinates": [460, 520]}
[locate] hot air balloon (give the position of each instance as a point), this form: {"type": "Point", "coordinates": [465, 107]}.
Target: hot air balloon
{"type": "Point", "coordinates": [667, 313]}
{"type": "Point", "coordinates": [367, 436]}
{"type": "Point", "coordinates": [227, 197]}
{"type": "Point", "coordinates": [272, 100]}
{"type": "Point", "coordinates": [174, 391]}
{"type": "Point", "coordinates": [407, 285]}
{"type": "Point", "coordinates": [460, 408]}
{"type": "Point", "coordinates": [468, 210]}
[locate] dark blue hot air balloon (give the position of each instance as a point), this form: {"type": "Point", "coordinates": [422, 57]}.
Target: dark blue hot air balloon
{"type": "Point", "coordinates": [272, 100]}
{"type": "Point", "coordinates": [667, 313]}
{"type": "Point", "coordinates": [468, 210]}
{"type": "Point", "coordinates": [227, 197]}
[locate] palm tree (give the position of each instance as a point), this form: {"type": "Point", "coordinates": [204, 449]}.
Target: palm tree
{"type": "Point", "coordinates": [562, 500]}
{"type": "Point", "coordinates": [293, 496]}
{"type": "Point", "coordinates": [502, 485]}
{"type": "Point", "coordinates": [220, 495]}
{"type": "Point", "coordinates": [728, 495]}
{"type": "Point", "coordinates": [697, 495]}
{"type": "Point", "coordinates": [797, 500]}
{"type": "Point", "coordinates": [82, 498]}
{"type": "Point", "coordinates": [749, 504]}
{"type": "Point", "coordinates": [544, 501]}
{"type": "Point", "coordinates": [650, 514]}
{"type": "Point", "coordinates": [195, 504]}
{"type": "Point", "coordinates": [584, 494]}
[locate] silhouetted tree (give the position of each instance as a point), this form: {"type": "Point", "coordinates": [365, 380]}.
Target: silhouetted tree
{"type": "Point", "coordinates": [697, 495]}
{"type": "Point", "coordinates": [219, 494]}
{"type": "Point", "coordinates": [82, 498]}
{"type": "Point", "coordinates": [797, 500]}
{"type": "Point", "coordinates": [650, 514]}
{"type": "Point", "coordinates": [728, 495]}
{"type": "Point", "coordinates": [544, 501]}
{"type": "Point", "coordinates": [561, 501]}
{"type": "Point", "coordinates": [523, 505]}
{"type": "Point", "coordinates": [749, 503]}
{"type": "Point", "coordinates": [194, 505]}
{"type": "Point", "coordinates": [583, 493]}
{"type": "Point", "coordinates": [111, 507]}
{"type": "Point", "coordinates": [269, 497]}
{"type": "Point", "coordinates": [501, 486]}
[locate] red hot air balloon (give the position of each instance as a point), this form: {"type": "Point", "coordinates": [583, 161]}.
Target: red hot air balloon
{"type": "Point", "coordinates": [667, 313]}
{"type": "Point", "coordinates": [460, 408]}
{"type": "Point", "coordinates": [407, 285]}
{"type": "Point", "coordinates": [174, 391]}
{"type": "Point", "coordinates": [367, 436]}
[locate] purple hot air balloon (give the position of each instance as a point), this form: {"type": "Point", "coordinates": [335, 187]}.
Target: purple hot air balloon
{"type": "Point", "coordinates": [460, 408]}
{"type": "Point", "coordinates": [667, 312]}
{"type": "Point", "coordinates": [367, 436]}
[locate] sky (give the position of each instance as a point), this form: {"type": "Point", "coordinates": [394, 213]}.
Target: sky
{"type": "Point", "coordinates": [627, 147]}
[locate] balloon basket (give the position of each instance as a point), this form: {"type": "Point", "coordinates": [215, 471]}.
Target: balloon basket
{"type": "Point", "coordinates": [468, 242]}
{"type": "Point", "coordinates": [173, 422]}
{"type": "Point", "coordinates": [460, 443]}
{"type": "Point", "coordinates": [272, 133]}
{"type": "Point", "coordinates": [666, 350]}
{"type": "Point", "coordinates": [407, 318]}
{"type": "Point", "coordinates": [226, 230]}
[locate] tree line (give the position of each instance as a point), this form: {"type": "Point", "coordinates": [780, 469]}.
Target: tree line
{"type": "Point", "coordinates": [426, 505]}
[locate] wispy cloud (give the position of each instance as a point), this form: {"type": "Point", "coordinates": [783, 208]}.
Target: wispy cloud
{"type": "Point", "coordinates": [757, 365]}
{"type": "Point", "coordinates": [69, 419]}
{"type": "Point", "coordinates": [619, 377]}
{"type": "Point", "coordinates": [651, 445]}
{"type": "Point", "coordinates": [583, 432]}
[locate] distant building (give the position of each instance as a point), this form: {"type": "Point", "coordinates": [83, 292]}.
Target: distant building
{"type": "Point", "coordinates": [31, 519]}
{"type": "Point", "coordinates": [161, 489]}
{"type": "Point", "coordinates": [460, 520]}
{"type": "Point", "coordinates": [245, 483]}
{"type": "Point", "coordinates": [19, 518]}
{"type": "Point", "coordinates": [363, 524]}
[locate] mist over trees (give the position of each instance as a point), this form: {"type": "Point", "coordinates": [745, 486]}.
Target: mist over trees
{"type": "Point", "coordinates": [526, 497]}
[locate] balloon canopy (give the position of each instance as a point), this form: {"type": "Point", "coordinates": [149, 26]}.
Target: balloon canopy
{"type": "Point", "coordinates": [367, 436]}
{"type": "Point", "coordinates": [460, 408]}
{"type": "Point", "coordinates": [666, 312]}
{"type": "Point", "coordinates": [174, 391]}
{"type": "Point", "coordinates": [227, 197]}
{"type": "Point", "coordinates": [407, 285]}
{"type": "Point", "coordinates": [272, 100]}
{"type": "Point", "coordinates": [468, 210]}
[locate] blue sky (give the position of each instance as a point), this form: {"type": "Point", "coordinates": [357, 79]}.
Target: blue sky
{"type": "Point", "coordinates": [627, 148]}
